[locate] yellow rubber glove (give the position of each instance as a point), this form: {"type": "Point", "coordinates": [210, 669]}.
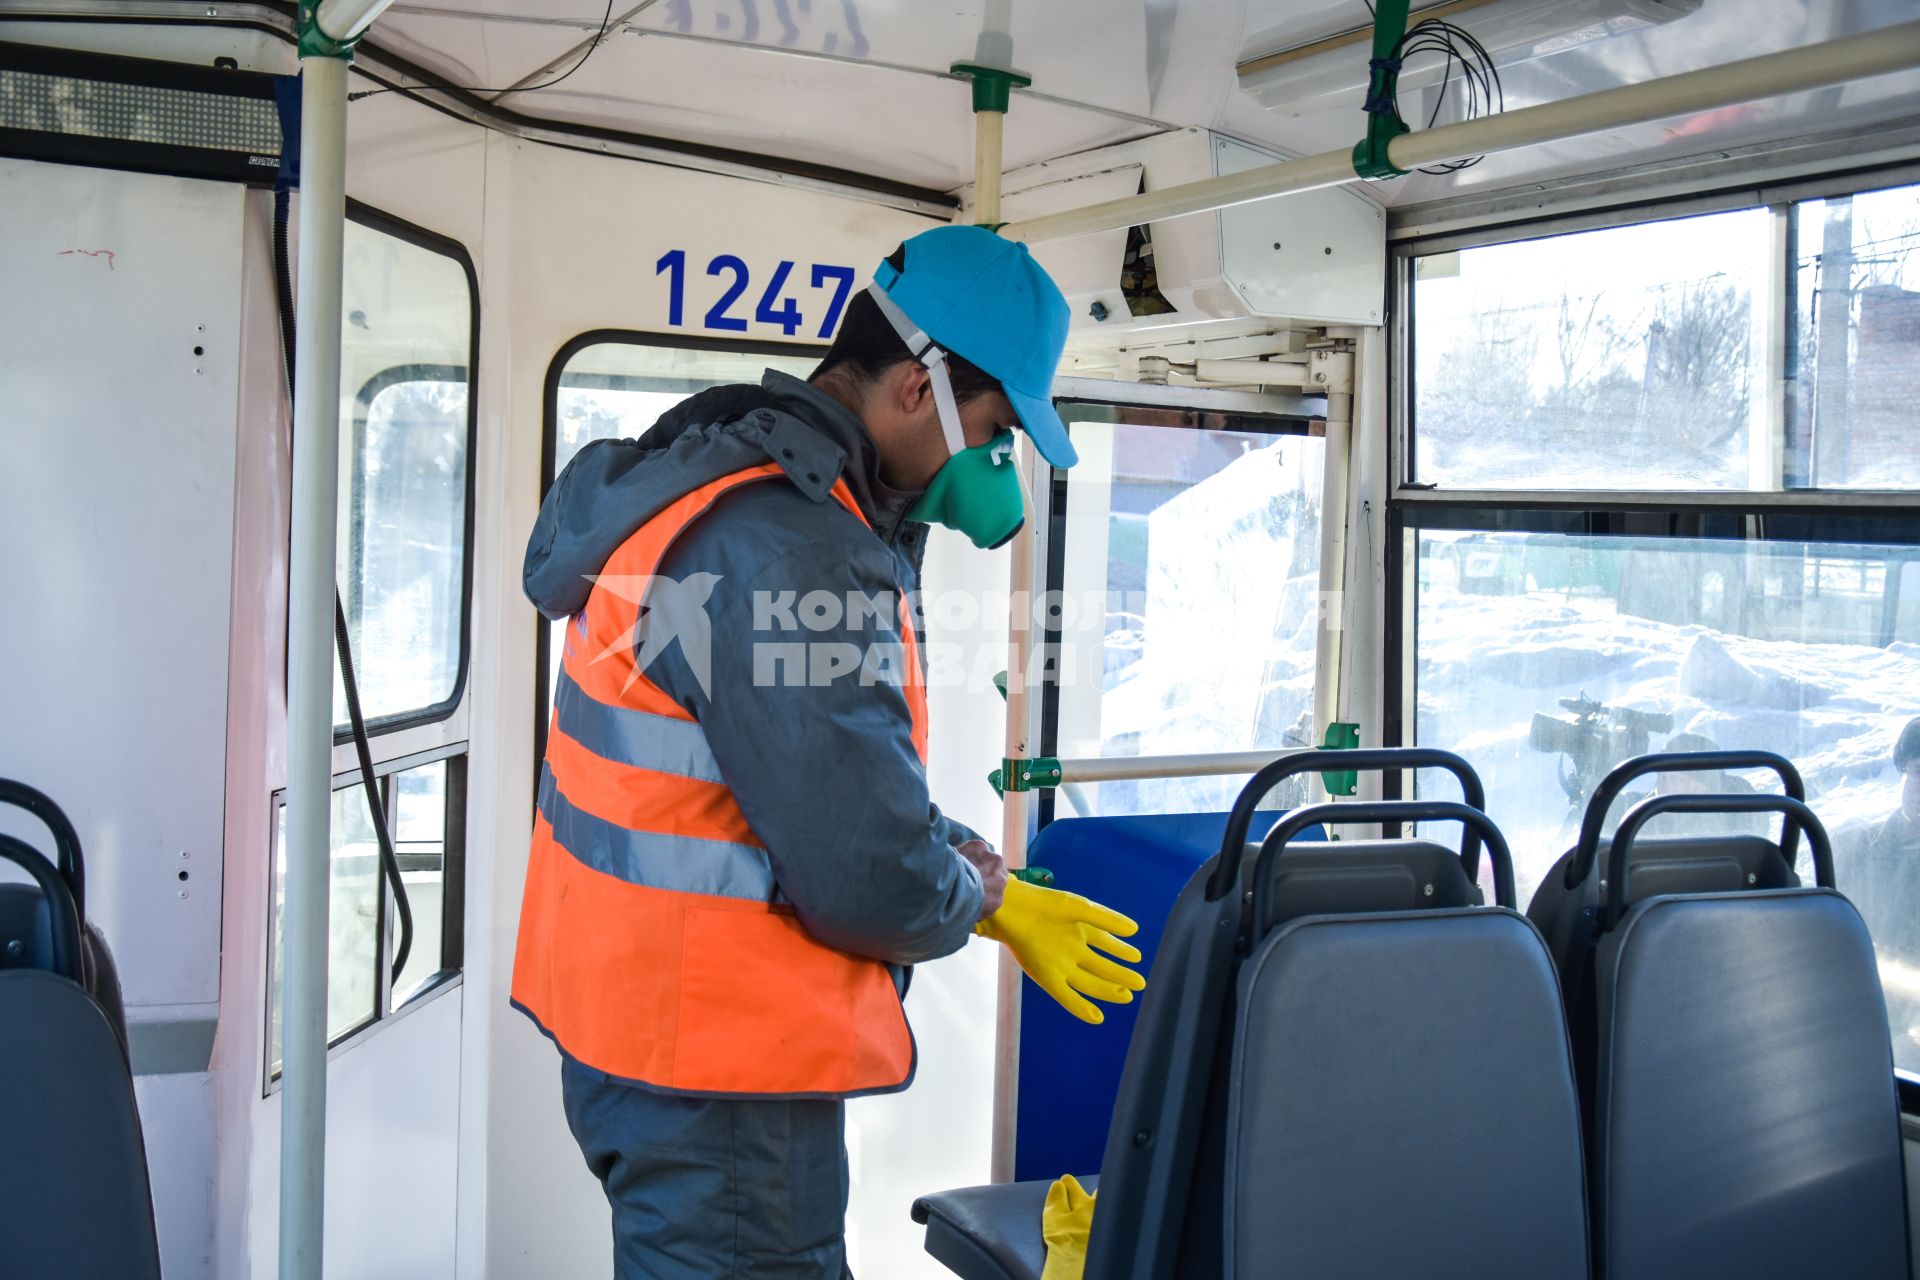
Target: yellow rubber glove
{"type": "Point", "coordinates": [1065, 1223]}
{"type": "Point", "coordinates": [1053, 935]}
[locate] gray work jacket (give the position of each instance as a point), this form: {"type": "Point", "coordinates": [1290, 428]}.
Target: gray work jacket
{"type": "Point", "coordinates": [822, 764]}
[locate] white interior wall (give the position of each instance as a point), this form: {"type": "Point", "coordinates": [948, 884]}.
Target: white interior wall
{"type": "Point", "coordinates": [123, 336]}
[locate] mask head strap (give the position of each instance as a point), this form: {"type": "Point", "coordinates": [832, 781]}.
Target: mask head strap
{"type": "Point", "coordinates": [934, 358]}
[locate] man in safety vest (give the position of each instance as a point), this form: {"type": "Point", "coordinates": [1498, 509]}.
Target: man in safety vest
{"type": "Point", "coordinates": [735, 858]}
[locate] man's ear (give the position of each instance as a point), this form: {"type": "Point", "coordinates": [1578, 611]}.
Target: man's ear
{"type": "Point", "coordinates": [916, 387]}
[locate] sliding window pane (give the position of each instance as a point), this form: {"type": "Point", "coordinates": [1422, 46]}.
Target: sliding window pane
{"type": "Point", "coordinates": [1189, 604]}
{"type": "Point", "coordinates": [1852, 402]}
{"type": "Point", "coordinates": [352, 921]}
{"type": "Point", "coordinates": [406, 370]}
{"type": "Point", "coordinates": [1625, 358]}
{"type": "Point", "coordinates": [420, 847]}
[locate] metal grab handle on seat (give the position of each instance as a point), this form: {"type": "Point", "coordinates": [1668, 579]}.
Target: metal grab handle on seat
{"type": "Point", "coordinates": [66, 841]}
{"type": "Point", "coordinates": [63, 918]}
{"type": "Point", "coordinates": [1474, 821]}
{"type": "Point", "coordinates": [1226, 872]}
{"type": "Point", "coordinates": [1580, 865]}
{"type": "Point", "coordinates": [1797, 816]}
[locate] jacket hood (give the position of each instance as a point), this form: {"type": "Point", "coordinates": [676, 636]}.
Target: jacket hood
{"type": "Point", "coordinates": [612, 487]}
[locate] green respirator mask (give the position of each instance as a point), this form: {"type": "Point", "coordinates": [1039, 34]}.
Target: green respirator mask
{"type": "Point", "coordinates": [978, 490]}
{"type": "Point", "coordinates": [978, 493]}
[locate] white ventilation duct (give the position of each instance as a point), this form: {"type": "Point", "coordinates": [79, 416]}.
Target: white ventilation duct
{"type": "Point", "coordinates": [1310, 259]}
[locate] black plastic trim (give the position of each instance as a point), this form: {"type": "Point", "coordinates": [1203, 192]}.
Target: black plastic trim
{"type": "Point", "coordinates": [119, 68]}
{"type": "Point", "coordinates": [138, 157]}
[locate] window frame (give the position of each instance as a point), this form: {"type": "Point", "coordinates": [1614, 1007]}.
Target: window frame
{"type": "Point", "coordinates": [1402, 323]}
{"type": "Point", "coordinates": [1248, 414]}
{"type": "Point", "coordinates": [549, 449]}
{"type": "Point", "coordinates": [451, 972]}
{"type": "Point", "coordinates": [446, 246]}
{"type": "Point", "coordinates": [1413, 506]}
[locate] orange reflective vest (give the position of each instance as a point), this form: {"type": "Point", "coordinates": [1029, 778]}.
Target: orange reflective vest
{"type": "Point", "coordinates": [652, 945]}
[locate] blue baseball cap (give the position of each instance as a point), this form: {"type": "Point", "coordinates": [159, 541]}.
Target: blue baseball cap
{"type": "Point", "coordinates": [986, 300]}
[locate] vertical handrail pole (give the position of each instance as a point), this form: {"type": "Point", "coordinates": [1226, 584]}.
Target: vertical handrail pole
{"type": "Point", "coordinates": [1016, 815]}
{"type": "Point", "coordinates": [1333, 568]}
{"type": "Point", "coordinates": [310, 588]}
{"type": "Point", "coordinates": [993, 78]}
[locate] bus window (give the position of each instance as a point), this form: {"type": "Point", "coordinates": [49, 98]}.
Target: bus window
{"type": "Point", "coordinates": [1663, 368]}
{"type": "Point", "coordinates": [1600, 360]}
{"type": "Point", "coordinates": [424, 804]}
{"type": "Point", "coordinates": [1857, 277]}
{"type": "Point", "coordinates": [1188, 579]}
{"type": "Point", "coordinates": [353, 922]}
{"type": "Point", "coordinates": [1646, 357]}
{"type": "Point", "coordinates": [406, 353]}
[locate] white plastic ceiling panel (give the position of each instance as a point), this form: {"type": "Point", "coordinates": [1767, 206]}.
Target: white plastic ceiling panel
{"type": "Point", "coordinates": [1719, 31]}
{"type": "Point", "coordinates": [863, 85]}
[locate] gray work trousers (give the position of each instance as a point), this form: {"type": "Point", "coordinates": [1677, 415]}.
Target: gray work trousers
{"type": "Point", "coordinates": [709, 1188]}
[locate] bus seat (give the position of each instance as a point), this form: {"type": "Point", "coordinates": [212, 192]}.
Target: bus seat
{"type": "Point", "coordinates": [24, 944]}
{"type": "Point", "coordinates": [26, 940]}
{"type": "Point", "coordinates": [1567, 905]}
{"type": "Point", "coordinates": [1403, 1102]}
{"type": "Point", "coordinates": [989, 1231]}
{"type": "Point", "coordinates": [1208, 1113]}
{"type": "Point", "coordinates": [1744, 1114]}
{"type": "Point", "coordinates": [75, 1183]}
{"type": "Point", "coordinates": [1748, 1123]}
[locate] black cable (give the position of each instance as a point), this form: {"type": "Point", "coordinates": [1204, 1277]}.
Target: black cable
{"type": "Point", "coordinates": [1481, 93]}
{"type": "Point", "coordinates": [342, 643]}
{"type": "Point", "coordinates": [605, 22]}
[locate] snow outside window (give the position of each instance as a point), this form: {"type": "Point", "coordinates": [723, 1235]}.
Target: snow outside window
{"type": "Point", "coordinates": [1545, 659]}
{"type": "Point", "coordinates": [1189, 592]}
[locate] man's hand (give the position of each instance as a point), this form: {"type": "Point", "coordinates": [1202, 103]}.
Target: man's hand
{"type": "Point", "coordinates": [993, 873]}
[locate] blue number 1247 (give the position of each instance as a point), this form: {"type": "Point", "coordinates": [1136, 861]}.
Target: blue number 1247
{"type": "Point", "coordinates": [775, 307]}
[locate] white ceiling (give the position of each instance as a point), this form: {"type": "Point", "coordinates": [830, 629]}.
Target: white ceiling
{"type": "Point", "coordinates": [863, 85]}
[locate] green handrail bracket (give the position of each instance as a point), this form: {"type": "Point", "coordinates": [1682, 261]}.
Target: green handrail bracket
{"type": "Point", "coordinates": [1038, 774]}
{"type": "Point", "coordinates": [1342, 735]}
{"type": "Point", "coordinates": [1384, 124]}
{"type": "Point", "coordinates": [992, 86]}
{"type": "Point", "coordinates": [312, 42]}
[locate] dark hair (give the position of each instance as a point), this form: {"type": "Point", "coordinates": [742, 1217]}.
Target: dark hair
{"type": "Point", "coordinates": [866, 347]}
{"type": "Point", "coordinates": [1906, 749]}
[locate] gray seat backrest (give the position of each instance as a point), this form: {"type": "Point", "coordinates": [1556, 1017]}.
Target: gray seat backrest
{"type": "Point", "coordinates": [1746, 1122]}
{"type": "Point", "coordinates": [1403, 1103]}
{"type": "Point", "coordinates": [74, 1199]}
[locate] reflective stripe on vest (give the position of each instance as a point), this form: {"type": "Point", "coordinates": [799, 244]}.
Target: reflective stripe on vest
{"type": "Point", "coordinates": [654, 945]}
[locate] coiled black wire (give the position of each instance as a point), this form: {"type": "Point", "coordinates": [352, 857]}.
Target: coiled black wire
{"type": "Point", "coordinates": [1479, 80]}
